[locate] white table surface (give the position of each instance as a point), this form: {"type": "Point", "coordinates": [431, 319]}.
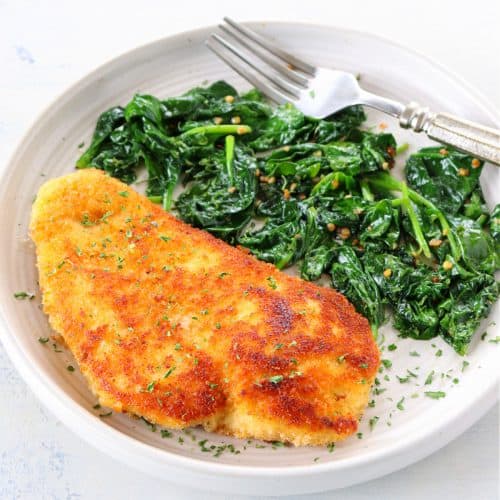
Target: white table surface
{"type": "Point", "coordinates": [45, 46]}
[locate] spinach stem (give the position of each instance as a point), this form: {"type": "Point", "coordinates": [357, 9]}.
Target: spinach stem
{"type": "Point", "coordinates": [219, 130]}
{"type": "Point", "coordinates": [445, 226]}
{"type": "Point", "coordinates": [387, 182]}
{"type": "Point", "coordinates": [366, 191]}
{"type": "Point", "coordinates": [230, 157]}
{"type": "Point", "coordinates": [417, 229]}
{"type": "Point", "coordinates": [167, 196]}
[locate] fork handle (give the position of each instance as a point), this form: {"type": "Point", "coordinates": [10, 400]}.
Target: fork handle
{"type": "Point", "coordinates": [478, 140]}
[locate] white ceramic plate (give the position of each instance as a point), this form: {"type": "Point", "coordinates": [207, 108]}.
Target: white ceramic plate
{"type": "Point", "coordinates": [400, 437]}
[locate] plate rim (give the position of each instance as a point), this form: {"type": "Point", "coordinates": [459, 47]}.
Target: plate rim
{"type": "Point", "coordinates": [80, 421]}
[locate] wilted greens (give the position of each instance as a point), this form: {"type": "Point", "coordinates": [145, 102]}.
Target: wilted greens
{"type": "Point", "coordinates": [318, 193]}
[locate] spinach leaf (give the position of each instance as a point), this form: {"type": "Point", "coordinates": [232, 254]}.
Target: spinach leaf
{"type": "Point", "coordinates": [470, 301]}
{"type": "Point", "coordinates": [107, 122]}
{"type": "Point", "coordinates": [222, 204]}
{"type": "Point", "coordinates": [444, 176]}
{"type": "Point", "coordinates": [350, 278]}
{"type": "Point", "coordinates": [280, 239]}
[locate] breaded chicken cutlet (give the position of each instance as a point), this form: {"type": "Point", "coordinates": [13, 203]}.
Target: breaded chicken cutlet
{"type": "Point", "coordinates": [171, 324]}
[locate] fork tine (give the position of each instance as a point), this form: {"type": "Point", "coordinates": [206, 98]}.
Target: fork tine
{"type": "Point", "coordinates": [273, 61]}
{"type": "Point", "coordinates": [277, 80]}
{"type": "Point", "coordinates": [232, 61]}
{"type": "Point", "coordinates": [266, 44]}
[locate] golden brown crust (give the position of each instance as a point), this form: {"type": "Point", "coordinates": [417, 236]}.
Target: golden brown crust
{"type": "Point", "coordinates": [169, 323]}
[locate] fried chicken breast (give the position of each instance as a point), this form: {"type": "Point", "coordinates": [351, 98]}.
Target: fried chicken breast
{"type": "Point", "coordinates": [171, 324]}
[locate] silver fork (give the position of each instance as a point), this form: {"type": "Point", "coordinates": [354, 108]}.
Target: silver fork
{"type": "Point", "coordinates": [319, 92]}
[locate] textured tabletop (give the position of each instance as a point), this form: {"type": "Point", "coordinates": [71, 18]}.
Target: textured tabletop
{"type": "Point", "coordinates": [44, 47]}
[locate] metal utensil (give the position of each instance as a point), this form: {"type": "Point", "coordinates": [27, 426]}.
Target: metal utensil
{"type": "Point", "coordinates": [319, 92]}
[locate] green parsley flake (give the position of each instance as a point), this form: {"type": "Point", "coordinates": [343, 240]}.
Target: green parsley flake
{"type": "Point", "coordinates": [24, 296]}
{"type": "Point", "coordinates": [272, 282]}
{"type": "Point", "coordinates": [169, 372]}
{"type": "Point", "coordinates": [387, 363]}
{"type": "Point", "coordinates": [392, 347]}
{"type": "Point", "coordinates": [276, 379]}
{"type": "Point", "coordinates": [70, 368]}
{"type": "Point", "coordinates": [400, 406]}
{"type": "Point", "coordinates": [429, 379]}
{"type": "Point", "coordinates": [435, 394]}
{"type": "Point", "coordinates": [165, 238]}
{"type": "Point", "coordinates": [124, 193]}
{"type": "Point", "coordinates": [166, 433]}
{"type": "Point", "coordinates": [373, 422]}
{"type": "Point", "coordinates": [43, 340]}
{"type": "Point", "coordinates": [150, 386]}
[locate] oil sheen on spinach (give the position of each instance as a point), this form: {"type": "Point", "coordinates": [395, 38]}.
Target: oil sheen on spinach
{"type": "Point", "coordinates": [318, 193]}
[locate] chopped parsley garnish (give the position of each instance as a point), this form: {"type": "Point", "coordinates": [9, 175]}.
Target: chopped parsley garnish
{"type": "Point", "coordinates": [465, 364]}
{"type": "Point", "coordinates": [125, 194]}
{"type": "Point", "coordinates": [435, 394]}
{"type": "Point", "coordinates": [414, 354]}
{"type": "Point", "coordinates": [430, 378]}
{"type": "Point", "coordinates": [103, 415]}
{"type": "Point", "coordinates": [70, 368]}
{"type": "Point", "coordinates": [373, 422]}
{"type": "Point", "coordinates": [24, 296]}
{"type": "Point", "coordinates": [276, 379]}
{"type": "Point", "coordinates": [439, 353]}
{"type": "Point", "coordinates": [221, 275]}
{"type": "Point", "coordinates": [387, 363]}
{"type": "Point", "coordinates": [218, 325]}
{"type": "Point", "coordinates": [496, 340]}
{"type": "Point", "coordinates": [86, 220]}
{"type": "Point", "coordinates": [272, 282]}
{"type": "Point", "coordinates": [392, 347]}
{"type": "Point", "coordinates": [177, 346]}
{"type": "Point", "coordinates": [278, 346]}
{"type": "Point", "coordinates": [399, 405]}
{"type": "Point", "coordinates": [165, 238]}
{"type": "Point", "coordinates": [330, 447]}
{"type": "Point", "coordinates": [43, 340]}
{"type": "Point", "coordinates": [166, 433]}
{"type": "Point", "coordinates": [150, 387]}
{"type": "Point", "coordinates": [169, 372]}
{"type": "Point", "coordinates": [277, 444]}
